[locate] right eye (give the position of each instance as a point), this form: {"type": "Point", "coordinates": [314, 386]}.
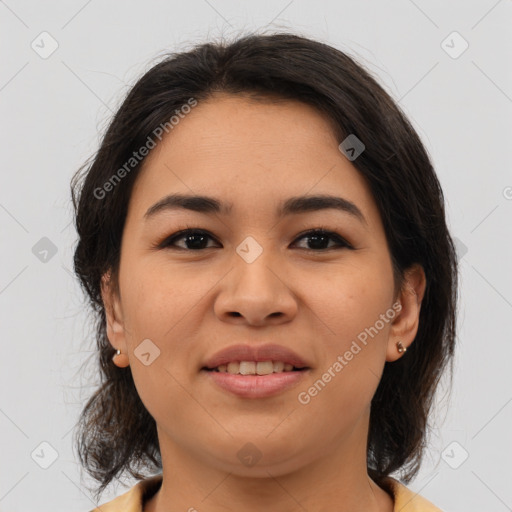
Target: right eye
{"type": "Point", "coordinates": [194, 239]}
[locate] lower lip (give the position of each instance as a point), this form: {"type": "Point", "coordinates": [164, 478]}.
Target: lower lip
{"type": "Point", "coordinates": [256, 386]}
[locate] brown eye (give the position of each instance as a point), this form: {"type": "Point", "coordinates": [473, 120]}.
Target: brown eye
{"type": "Point", "coordinates": [319, 240]}
{"type": "Point", "coordinates": [194, 240]}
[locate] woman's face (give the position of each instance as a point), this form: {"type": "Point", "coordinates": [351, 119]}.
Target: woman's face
{"type": "Point", "coordinates": [256, 278]}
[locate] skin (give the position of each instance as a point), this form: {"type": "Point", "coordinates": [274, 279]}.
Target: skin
{"type": "Point", "coordinates": [191, 303]}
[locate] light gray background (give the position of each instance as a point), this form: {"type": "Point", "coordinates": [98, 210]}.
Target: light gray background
{"type": "Point", "coordinates": [53, 112]}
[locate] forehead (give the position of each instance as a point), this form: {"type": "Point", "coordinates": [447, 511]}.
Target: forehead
{"type": "Point", "coordinates": [252, 132]}
{"type": "Point", "coordinates": [250, 152]}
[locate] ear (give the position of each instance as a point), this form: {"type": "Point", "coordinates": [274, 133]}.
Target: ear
{"type": "Point", "coordinates": [405, 324]}
{"type": "Point", "coordinates": [114, 316]}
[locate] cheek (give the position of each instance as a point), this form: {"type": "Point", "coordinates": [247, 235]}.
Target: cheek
{"type": "Point", "coordinates": [160, 311]}
{"type": "Point", "coordinates": [155, 308]}
{"type": "Point", "coordinates": [350, 305]}
{"type": "Point", "coordinates": [356, 317]}
{"type": "Point", "coordinates": [156, 299]}
{"type": "Point", "coordinates": [343, 386]}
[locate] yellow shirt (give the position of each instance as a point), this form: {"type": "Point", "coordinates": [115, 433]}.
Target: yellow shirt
{"type": "Point", "coordinates": [134, 499]}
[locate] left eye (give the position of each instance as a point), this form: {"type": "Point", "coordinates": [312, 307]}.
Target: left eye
{"type": "Point", "coordinates": [196, 239]}
{"type": "Point", "coordinates": [319, 237]}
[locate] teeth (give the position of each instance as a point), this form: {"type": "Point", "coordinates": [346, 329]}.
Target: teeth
{"type": "Point", "coordinates": [278, 366]}
{"type": "Point", "coordinates": [247, 367]}
{"type": "Point", "coordinates": [255, 368]}
{"type": "Point", "coordinates": [233, 367]}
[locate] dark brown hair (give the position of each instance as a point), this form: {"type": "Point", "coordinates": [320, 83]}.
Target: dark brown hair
{"type": "Point", "coordinates": [116, 433]}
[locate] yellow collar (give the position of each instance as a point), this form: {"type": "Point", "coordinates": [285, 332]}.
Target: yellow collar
{"type": "Point", "coordinates": [133, 500]}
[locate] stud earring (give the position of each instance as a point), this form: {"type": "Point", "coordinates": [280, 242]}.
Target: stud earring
{"type": "Point", "coordinates": [120, 359]}
{"type": "Point", "coordinates": [399, 346]}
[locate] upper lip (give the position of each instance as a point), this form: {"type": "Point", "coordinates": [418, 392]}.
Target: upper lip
{"type": "Point", "coordinates": [257, 353]}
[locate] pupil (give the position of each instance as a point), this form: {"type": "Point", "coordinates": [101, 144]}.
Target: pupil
{"type": "Point", "coordinates": [314, 240]}
{"type": "Point", "coordinates": [198, 244]}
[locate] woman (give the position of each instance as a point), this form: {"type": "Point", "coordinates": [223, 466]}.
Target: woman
{"type": "Point", "coordinates": [263, 239]}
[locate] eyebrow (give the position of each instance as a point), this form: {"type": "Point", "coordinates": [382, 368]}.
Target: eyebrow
{"type": "Point", "coordinates": [292, 206]}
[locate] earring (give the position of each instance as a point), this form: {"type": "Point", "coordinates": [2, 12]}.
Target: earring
{"type": "Point", "coordinates": [399, 346]}
{"type": "Point", "coordinates": [120, 359]}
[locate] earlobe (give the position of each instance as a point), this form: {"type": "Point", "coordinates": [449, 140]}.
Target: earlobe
{"type": "Point", "coordinates": [114, 321]}
{"type": "Point", "coordinates": [405, 325]}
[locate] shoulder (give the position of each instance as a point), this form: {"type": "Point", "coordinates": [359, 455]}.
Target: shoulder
{"type": "Point", "coordinates": [407, 500]}
{"type": "Point", "coordinates": [133, 500]}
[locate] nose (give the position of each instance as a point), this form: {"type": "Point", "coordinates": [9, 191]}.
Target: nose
{"type": "Point", "coordinates": [256, 293]}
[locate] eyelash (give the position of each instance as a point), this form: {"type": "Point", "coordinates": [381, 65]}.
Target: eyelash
{"type": "Point", "coordinates": [168, 242]}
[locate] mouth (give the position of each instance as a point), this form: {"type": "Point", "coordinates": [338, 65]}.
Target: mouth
{"type": "Point", "coordinates": [255, 371]}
